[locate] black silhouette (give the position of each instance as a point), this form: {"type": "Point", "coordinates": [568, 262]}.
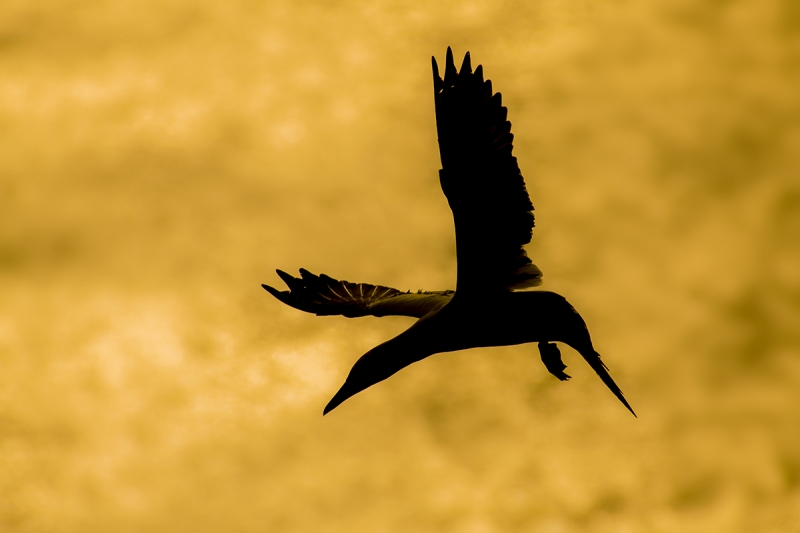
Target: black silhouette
{"type": "Point", "coordinates": [493, 221]}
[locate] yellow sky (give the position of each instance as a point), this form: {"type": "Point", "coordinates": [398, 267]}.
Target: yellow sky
{"type": "Point", "coordinates": [158, 162]}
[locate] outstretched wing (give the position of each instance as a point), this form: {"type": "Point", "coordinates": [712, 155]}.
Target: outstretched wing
{"type": "Point", "coordinates": [323, 295]}
{"type": "Point", "coordinates": [482, 181]}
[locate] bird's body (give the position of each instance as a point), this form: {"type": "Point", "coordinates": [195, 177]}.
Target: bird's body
{"type": "Point", "coordinates": [494, 220]}
{"type": "Point", "coordinates": [501, 319]}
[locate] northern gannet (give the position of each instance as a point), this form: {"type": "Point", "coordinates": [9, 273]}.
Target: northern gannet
{"type": "Point", "coordinates": [493, 218]}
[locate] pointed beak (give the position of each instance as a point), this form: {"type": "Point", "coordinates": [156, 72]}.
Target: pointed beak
{"type": "Point", "coordinates": [338, 398]}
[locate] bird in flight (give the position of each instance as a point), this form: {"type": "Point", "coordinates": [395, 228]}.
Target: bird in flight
{"type": "Point", "coordinates": [493, 218]}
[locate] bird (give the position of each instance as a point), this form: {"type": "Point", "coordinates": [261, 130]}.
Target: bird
{"type": "Point", "coordinates": [493, 218]}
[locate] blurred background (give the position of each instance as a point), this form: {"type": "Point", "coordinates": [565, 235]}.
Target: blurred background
{"type": "Point", "coordinates": [159, 160]}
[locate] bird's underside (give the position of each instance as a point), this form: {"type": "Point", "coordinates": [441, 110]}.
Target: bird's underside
{"type": "Point", "coordinates": [493, 218]}
{"type": "Point", "coordinates": [325, 296]}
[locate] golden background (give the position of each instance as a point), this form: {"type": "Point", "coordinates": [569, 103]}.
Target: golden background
{"type": "Point", "coordinates": [158, 160]}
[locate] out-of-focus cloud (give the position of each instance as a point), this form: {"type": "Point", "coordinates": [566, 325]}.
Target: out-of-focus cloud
{"type": "Point", "coordinates": [158, 162]}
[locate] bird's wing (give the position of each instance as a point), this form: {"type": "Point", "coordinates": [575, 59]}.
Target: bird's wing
{"type": "Point", "coordinates": [482, 182]}
{"type": "Point", "coordinates": [323, 295]}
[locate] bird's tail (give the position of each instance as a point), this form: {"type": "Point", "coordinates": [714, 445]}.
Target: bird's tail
{"type": "Point", "coordinates": [593, 358]}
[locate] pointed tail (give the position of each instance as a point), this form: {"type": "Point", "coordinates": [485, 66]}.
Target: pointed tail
{"type": "Point", "coordinates": [593, 358]}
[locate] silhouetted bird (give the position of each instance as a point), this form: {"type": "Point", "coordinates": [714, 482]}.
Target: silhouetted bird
{"type": "Point", "coordinates": [493, 221]}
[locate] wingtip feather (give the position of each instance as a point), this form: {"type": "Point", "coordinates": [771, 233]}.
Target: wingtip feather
{"type": "Point", "coordinates": [450, 71]}
{"type": "Point", "coordinates": [308, 276]}
{"type": "Point", "coordinates": [437, 79]}
{"type": "Point", "coordinates": [466, 65]}
{"type": "Point", "coordinates": [272, 290]}
{"type": "Point", "coordinates": [287, 278]}
{"type": "Point", "coordinates": [479, 73]}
